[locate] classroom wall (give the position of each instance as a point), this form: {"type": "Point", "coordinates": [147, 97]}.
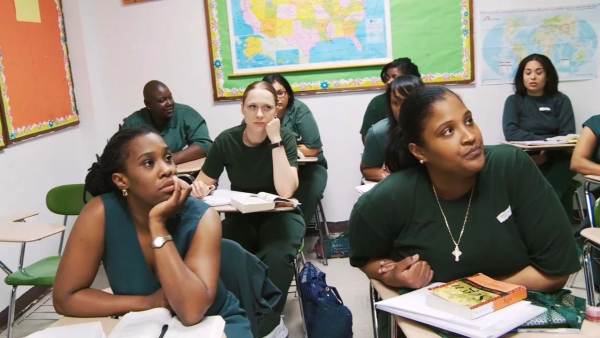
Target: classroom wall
{"type": "Point", "coordinates": [115, 49]}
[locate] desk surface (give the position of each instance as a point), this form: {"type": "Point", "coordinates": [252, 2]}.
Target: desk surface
{"type": "Point", "coordinates": [529, 145]}
{"type": "Point", "coordinates": [27, 232]}
{"type": "Point", "coordinates": [413, 329]}
{"type": "Point", "coordinates": [592, 178]}
{"type": "Point", "coordinates": [191, 166]}
{"type": "Point", "coordinates": [307, 159]}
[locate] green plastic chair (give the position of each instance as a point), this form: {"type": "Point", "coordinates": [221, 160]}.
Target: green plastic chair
{"type": "Point", "coordinates": [66, 200]}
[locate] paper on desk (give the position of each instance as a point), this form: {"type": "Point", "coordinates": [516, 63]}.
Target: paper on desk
{"type": "Point", "coordinates": [413, 305]}
{"type": "Point", "coordinates": [223, 197]}
{"type": "Point", "coordinates": [365, 187]}
{"type": "Point", "coordinates": [88, 330]}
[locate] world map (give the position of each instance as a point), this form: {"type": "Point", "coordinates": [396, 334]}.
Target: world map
{"type": "Point", "coordinates": [279, 35]}
{"type": "Point", "coordinates": [568, 36]}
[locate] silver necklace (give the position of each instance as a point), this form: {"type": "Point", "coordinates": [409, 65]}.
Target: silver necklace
{"type": "Point", "coordinates": [456, 252]}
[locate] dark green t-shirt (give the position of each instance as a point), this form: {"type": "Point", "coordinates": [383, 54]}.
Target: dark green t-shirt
{"type": "Point", "coordinates": [185, 127]}
{"type": "Point", "coordinates": [375, 144]}
{"type": "Point", "coordinates": [299, 119]}
{"type": "Point", "coordinates": [515, 220]}
{"type": "Point", "coordinates": [249, 169]}
{"type": "Point", "coordinates": [528, 118]}
{"type": "Point", "coordinates": [594, 124]}
{"type": "Point", "coordinates": [377, 109]}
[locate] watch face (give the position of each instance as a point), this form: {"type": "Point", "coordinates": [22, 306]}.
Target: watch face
{"type": "Point", "coordinates": [159, 241]}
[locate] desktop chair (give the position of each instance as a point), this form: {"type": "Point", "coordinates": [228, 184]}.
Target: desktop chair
{"type": "Point", "coordinates": [64, 200]}
{"type": "Point", "coordinates": [592, 243]}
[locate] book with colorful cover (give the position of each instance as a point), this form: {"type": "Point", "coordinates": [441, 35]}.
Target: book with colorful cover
{"type": "Point", "coordinates": [475, 296]}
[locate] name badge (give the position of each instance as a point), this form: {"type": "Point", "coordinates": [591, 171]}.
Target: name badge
{"type": "Point", "coordinates": [544, 109]}
{"type": "Point", "coordinates": [503, 216]}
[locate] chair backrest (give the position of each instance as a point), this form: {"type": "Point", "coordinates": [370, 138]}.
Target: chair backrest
{"type": "Point", "coordinates": [66, 199]}
{"type": "Point", "coordinates": [596, 213]}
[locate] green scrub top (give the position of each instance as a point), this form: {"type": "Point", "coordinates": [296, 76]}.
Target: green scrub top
{"type": "Point", "coordinates": [594, 124]}
{"type": "Point", "coordinates": [527, 118]}
{"type": "Point", "coordinates": [375, 144]}
{"type": "Point", "coordinates": [185, 127]}
{"type": "Point", "coordinates": [249, 169]}
{"type": "Point", "coordinates": [299, 119]}
{"type": "Point", "coordinates": [515, 220]}
{"type": "Point", "coordinates": [377, 109]}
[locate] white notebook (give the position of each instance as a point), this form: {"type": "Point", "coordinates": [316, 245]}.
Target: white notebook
{"type": "Point", "coordinates": [149, 324]}
{"type": "Point", "coordinates": [413, 305]}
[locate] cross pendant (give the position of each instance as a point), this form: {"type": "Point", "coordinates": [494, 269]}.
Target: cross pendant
{"type": "Point", "coordinates": [456, 253]}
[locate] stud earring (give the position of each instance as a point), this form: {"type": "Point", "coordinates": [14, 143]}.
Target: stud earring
{"type": "Point", "coordinates": [124, 192]}
{"type": "Point", "coordinates": [421, 161]}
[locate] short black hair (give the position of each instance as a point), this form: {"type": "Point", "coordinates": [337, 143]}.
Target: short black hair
{"type": "Point", "coordinates": [276, 77]}
{"type": "Point", "coordinates": [551, 86]}
{"type": "Point", "coordinates": [404, 65]}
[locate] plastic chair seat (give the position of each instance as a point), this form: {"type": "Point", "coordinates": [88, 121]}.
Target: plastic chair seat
{"type": "Point", "coordinates": [40, 273]}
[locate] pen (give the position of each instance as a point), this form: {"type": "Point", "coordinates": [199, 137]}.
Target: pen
{"type": "Point", "coordinates": [163, 331]}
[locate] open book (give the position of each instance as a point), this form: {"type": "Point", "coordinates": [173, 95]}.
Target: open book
{"type": "Point", "coordinates": [413, 305]}
{"type": "Point", "coordinates": [151, 323]}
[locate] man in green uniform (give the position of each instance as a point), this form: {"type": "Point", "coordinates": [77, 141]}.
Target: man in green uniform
{"type": "Point", "coordinates": [182, 127]}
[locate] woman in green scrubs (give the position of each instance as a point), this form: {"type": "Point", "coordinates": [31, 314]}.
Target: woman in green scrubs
{"type": "Point", "coordinates": [259, 155]}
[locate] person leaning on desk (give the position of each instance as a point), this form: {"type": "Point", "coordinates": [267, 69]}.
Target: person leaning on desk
{"type": "Point", "coordinates": [158, 247]}
{"type": "Point", "coordinates": [373, 157]}
{"type": "Point", "coordinates": [182, 127]}
{"type": "Point", "coordinates": [298, 118]}
{"type": "Point", "coordinates": [538, 111]}
{"type": "Point", "coordinates": [452, 207]}
{"type": "Point", "coordinates": [259, 155]}
{"type": "Point", "coordinates": [586, 156]}
{"type": "Point", "coordinates": [378, 108]}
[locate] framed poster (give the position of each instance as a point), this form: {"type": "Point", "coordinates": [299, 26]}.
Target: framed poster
{"type": "Point", "coordinates": [325, 46]}
{"type": "Point", "coordinates": [35, 74]}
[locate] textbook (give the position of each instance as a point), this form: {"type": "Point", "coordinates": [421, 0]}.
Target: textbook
{"type": "Point", "coordinates": [158, 322]}
{"type": "Point", "coordinates": [262, 201]}
{"type": "Point", "coordinates": [475, 296]}
{"type": "Point", "coordinates": [413, 305]}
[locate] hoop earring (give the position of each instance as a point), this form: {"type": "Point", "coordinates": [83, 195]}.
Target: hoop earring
{"type": "Point", "coordinates": [124, 192]}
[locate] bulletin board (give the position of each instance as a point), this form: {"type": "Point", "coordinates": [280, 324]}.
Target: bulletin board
{"type": "Point", "coordinates": [35, 75]}
{"type": "Point", "coordinates": [435, 34]}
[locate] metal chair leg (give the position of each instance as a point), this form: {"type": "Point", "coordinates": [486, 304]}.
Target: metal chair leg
{"type": "Point", "coordinates": [321, 223]}
{"type": "Point", "coordinates": [589, 203]}
{"type": "Point", "coordinates": [589, 275]}
{"type": "Point", "coordinates": [300, 257]}
{"type": "Point", "coordinates": [11, 312]}
{"type": "Point", "coordinates": [374, 296]}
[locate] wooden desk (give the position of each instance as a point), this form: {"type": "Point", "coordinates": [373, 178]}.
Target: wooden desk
{"type": "Point", "coordinates": [191, 167]}
{"type": "Point", "coordinates": [23, 232]}
{"type": "Point", "coordinates": [527, 146]}
{"type": "Point", "coordinates": [413, 329]}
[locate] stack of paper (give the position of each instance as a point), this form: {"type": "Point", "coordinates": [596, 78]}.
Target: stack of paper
{"type": "Point", "coordinates": [414, 306]}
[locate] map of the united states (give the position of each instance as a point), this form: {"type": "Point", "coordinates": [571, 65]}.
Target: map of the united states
{"type": "Point", "coordinates": [280, 33]}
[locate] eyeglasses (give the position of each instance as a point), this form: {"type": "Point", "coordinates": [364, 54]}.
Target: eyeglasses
{"type": "Point", "coordinates": [281, 93]}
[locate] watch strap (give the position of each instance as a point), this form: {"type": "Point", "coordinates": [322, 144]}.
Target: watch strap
{"type": "Point", "coordinates": [159, 241]}
{"type": "Point", "coordinates": [276, 144]}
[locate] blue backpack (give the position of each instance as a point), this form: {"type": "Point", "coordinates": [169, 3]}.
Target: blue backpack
{"type": "Point", "coordinates": [324, 312]}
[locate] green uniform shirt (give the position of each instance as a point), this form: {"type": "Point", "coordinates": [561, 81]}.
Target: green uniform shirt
{"type": "Point", "coordinates": [299, 119]}
{"type": "Point", "coordinates": [515, 220]}
{"type": "Point", "coordinates": [250, 169]}
{"type": "Point", "coordinates": [375, 144]}
{"type": "Point", "coordinates": [185, 127]}
{"type": "Point", "coordinates": [594, 124]}
{"type": "Point", "coordinates": [529, 118]}
{"type": "Point", "coordinates": [377, 109]}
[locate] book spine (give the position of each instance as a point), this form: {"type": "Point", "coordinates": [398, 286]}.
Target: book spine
{"type": "Point", "coordinates": [512, 297]}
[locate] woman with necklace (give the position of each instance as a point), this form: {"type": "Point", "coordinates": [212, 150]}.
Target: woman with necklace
{"type": "Point", "coordinates": [259, 156]}
{"type": "Point", "coordinates": [453, 208]}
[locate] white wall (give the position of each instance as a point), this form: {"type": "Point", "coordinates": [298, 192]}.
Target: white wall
{"type": "Point", "coordinates": [115, 49]}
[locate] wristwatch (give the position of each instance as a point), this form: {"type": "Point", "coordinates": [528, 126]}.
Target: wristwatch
{"type": "Point", "coordinates": [276, 144]}
{"type": "Point", "coordinates": [159, 241]}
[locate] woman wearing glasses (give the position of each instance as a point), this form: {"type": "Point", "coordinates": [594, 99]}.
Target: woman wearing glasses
{"type": "Point", "coordinates": [298, 118]}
